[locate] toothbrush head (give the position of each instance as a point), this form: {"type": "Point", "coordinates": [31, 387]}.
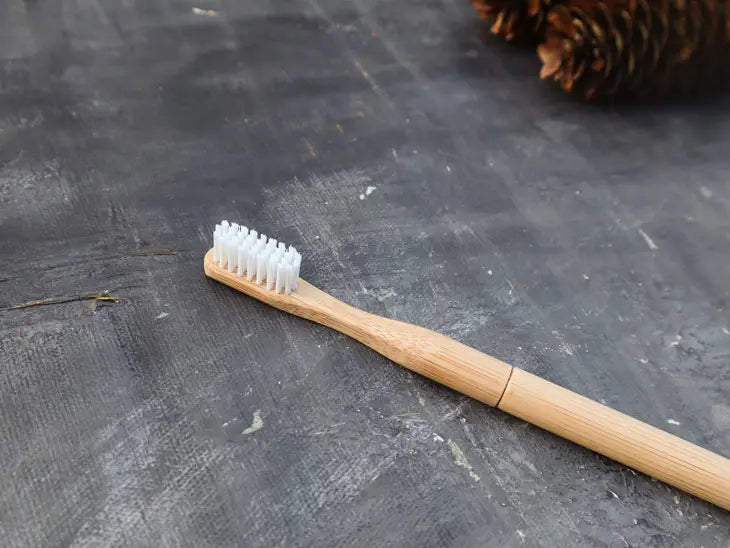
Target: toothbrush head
{"type": "Point", "coordinates": [255, 257]}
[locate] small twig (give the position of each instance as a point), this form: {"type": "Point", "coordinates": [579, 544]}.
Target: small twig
{"type": "Point", "coordinates": [72, 298]}
{"type": "Point", "coordinates": [150, 253]}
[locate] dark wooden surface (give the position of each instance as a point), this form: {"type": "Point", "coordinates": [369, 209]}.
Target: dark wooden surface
{"type": "Point", "coordinates": [589, 245]}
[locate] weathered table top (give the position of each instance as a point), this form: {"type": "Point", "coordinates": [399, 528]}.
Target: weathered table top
{"type": "Point", "coordinates": [426, 174]}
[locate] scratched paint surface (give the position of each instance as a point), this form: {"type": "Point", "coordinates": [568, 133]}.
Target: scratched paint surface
{"type": "Point", "coordinates": [426, 175]}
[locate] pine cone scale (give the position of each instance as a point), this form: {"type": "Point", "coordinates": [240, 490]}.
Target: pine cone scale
{"type": "Point", "coordinates": [606, 48]}
{"type": "Point", "coordinates": [612, 48]}
{"type": "Point", "coordinates": [520, 20]}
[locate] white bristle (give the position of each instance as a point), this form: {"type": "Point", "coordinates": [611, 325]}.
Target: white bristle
{"type": "Point", "coordinates": [279, 277]}
{"type": "Point", "coordinates": [216, 243]}
{"type": "Point", "coordinates": [224, 250]}
{"type": "Point", "coordinates": [287, 278]}
{"type": "Point", "coordinates": [271, 270]}
{"type": "Point", "coordinates": [232, 252]}
{"type": "Point", "coordinates": [253, 259]}
{"type": "Point", "coordinates": [256, 257]}
{"type": "Point", "coordinates": [219, 243]}
{"type": "Point", "coordinates": [251, 263]}
{"type": "Point", "coordinates": [295, 273]}
{"type": "Point", "coordinates": [241, 262]}
{"type": "Point", "coordinates": [243, 255]}
{"type": "Point", "coordinates": [261, 261]}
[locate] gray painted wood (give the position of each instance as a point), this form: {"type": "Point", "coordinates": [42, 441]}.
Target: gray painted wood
{"type": "Point", "coordinates": [589, 245]}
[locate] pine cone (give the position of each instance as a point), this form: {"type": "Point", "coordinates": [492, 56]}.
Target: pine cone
{"type": "Point", "coordinates": [636, 48]}
{"type": "Point", "coordinates": [521, 20]}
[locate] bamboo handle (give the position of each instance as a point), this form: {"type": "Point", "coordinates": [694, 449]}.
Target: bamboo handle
{"type": "Point", "coordinates": [426, 352]}
{"type": "Point", "coordinates": [421, 350]}
{"type": "Point", "coordinates": [489, 380]}
{"type": "Point", "coordinates": [619, 437]}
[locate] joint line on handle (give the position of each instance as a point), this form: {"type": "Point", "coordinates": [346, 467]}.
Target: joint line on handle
{"type": "Point", "coordinates": [511, 370]}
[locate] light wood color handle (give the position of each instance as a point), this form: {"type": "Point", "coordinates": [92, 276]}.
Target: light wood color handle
{"type": "Point", "coordinates": [618, 436]}
{"type": "Point", "coordinates": [426, 352]}
{"type": "Point", "coordinates": [496, 383]}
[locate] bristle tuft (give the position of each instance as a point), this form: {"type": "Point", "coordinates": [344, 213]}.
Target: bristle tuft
{"type": "Point", "coordinates": [258, 258]}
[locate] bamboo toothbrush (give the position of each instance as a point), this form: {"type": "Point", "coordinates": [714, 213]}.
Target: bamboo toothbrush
{"type": "Point", "coordinates": [269, 271]}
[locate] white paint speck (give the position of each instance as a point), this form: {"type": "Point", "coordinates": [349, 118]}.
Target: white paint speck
{"type": "Point", "coordinates": [706, 192]}
{"type": "Point", "coordinates": [382, 294]}
{"type": "Point", "coordinates": [421, 401]}
{"type": "Point", "coordinates": [437, 438]}
{"type": "Point", "coordinates": [460, 459]}
{"type": "Point", "coordinates": [568, 349]}
{"type": "Point", "coordinates": [521, 534]}
{"type": "Point", "coordinates": [672, 421]}
{"type": "Point", "coordinates": [161, 315]}
{"type": "Point", "coordinates": [643, 360]}
{"type": "Point", "coordinates": [586, 277]}
{"type": "Point", "coordinates": [209, 13]}
{"type": "Point", "coordinates": [368, 191]}
{"type": "Point", "coordinates": [256, 425]}
{"type": "Point", "coordinates": [395, 154]}
{"type": "Point", "coordinates": [489, 272]}
{"type": "Point", "coordinates": [726, 331]}
{"type": "Point", "coordinates": [614, 494]}
{"type": "Point", "coordinates": [448, 168]}
{"type": "Point", "coordinates": [648, 240]}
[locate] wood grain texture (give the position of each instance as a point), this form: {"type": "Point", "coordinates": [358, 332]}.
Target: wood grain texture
{"type": "Point", "coordinates": [424, 351]}
{"type": "Point", "coordinates": [619, 437]}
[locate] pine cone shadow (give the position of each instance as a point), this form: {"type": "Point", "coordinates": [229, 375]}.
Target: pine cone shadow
{"type": "Point", "coordinates": [483, 55]}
